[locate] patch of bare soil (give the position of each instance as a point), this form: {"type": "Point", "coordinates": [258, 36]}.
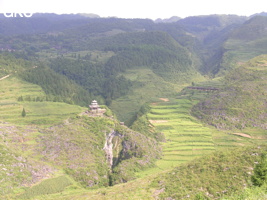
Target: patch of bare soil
{"type": "Point", "coordinates": [157, 121]}
{"type": "Point", "coordinates": [242, 135]}
{"type": "Point", "coordinates": [164, 99]}
{"type": "Point", "coordinates": [4, 77]}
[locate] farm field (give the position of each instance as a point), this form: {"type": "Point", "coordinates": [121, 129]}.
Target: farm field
{"type": "Point", "coordinates": [186, 137]}
{"type": "Point", "coordinates": [38, 113]}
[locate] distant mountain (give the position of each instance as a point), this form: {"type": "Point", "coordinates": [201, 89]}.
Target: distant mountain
{"type": "Point", "coordinates": [169, 20]}
{"type": "Point", "coordinates": [56, 17]}
{"type": "Point", "coordinates": [243, 43]}
{"type": "Point", "coordinates": [210, 32]}
{"type": "Point", "coordinates": [90, 15]}
{"type": "Point", "coordinates": [259, 14]}
{"type": "Point", "coordinates": [205, 22]}
{"type": "Point", "coordinates": [253, 29]}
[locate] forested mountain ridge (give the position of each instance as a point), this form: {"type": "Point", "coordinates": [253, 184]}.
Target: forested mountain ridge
{"type": "Point", "coordinates": [111, 49]}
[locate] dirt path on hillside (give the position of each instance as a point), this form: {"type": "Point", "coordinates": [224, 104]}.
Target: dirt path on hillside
{"type": "Point", "coordinates": [242, 134]}
{"type": "Point", "coordinates": [158, 121]}
{"type": "Point", "coordinates": [4, 77]}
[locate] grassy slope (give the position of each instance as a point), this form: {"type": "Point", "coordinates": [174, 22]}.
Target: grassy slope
{"type": "Point", "coordinates": [213, 177]}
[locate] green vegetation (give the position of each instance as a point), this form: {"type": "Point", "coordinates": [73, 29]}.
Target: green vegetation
{"type": "Point", "coordinates": [260, 172]}
{"type": "Point", "coordinates": [96, 79]}
{"type": "Point", "coordinates": [57, 87]}
{"type": "Point", "coordinates": [23, 113]}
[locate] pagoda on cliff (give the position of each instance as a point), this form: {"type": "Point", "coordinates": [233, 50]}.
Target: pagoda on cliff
{"type": "Point", "coordinates": [94, 107]}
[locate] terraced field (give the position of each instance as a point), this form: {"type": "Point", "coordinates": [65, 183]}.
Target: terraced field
{"type": "Point", "coordinates": [186, 138]}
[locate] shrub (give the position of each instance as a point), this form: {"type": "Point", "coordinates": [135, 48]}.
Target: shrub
{"type": "Point", "coordinates": [260, 172]}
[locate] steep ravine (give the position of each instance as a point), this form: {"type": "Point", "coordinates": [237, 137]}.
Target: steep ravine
{"type": "Point", "coordinates": [127, 152]}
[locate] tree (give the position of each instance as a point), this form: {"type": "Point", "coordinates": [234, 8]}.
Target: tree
{"type": "Point", "coordinates": [23, 114]}
{"type": "Point", "coordinates": [20, 98]}
{"type": "Point", "coordinates": [260, 172]}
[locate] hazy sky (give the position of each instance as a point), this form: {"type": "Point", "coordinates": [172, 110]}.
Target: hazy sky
{"type": "Point", "coordinates": [136, 8]}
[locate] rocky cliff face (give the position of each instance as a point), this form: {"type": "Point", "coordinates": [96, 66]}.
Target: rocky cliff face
{"type": "Point", "coordinates": [242, 103]}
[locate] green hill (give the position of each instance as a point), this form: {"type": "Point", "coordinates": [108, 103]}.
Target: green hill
{"type": "Point", "coordinates": [244, 43]}
{"type": "Point", "coordinates": [216, 176]}
{"type": "Point", "coordinates": [242, 103]}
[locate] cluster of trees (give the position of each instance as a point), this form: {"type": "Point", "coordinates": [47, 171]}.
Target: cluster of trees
{"type": "Point", "coordinates": [10, 64]}
{"type": "Point", "coordinates": [57, 86]}
{"type": "Point", "coordinates": [48, 98]}
{"type": "Point", "coordinates": [95, 79]}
